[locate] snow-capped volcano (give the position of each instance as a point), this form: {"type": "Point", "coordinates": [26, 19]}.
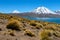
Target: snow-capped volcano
{"type": "Point", "coordinates": [43, 10]}
{"type": "Point", "coordinates": [15, 11]}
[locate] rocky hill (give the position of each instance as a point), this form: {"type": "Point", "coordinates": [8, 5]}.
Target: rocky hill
{"type": "Point", "coordinates": [17, 28]}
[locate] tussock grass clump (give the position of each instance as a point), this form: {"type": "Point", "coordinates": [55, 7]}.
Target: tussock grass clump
{"type": "Point", "coordinates": [45, 35]}
{"type": "Point", "coordinates": [12, 34]}
{"type": "Point", "coordinates": [56, 34]}
{"type": "Point", "coordinates": [45, 23]}
{"type": "Point", "coordinates": [38, 26]}
{"type": "Point", "coordinates": [14, 25]}
{"type": "Point", "coordinates": [52, 27]}
{"type": "Point", "coordinates": [33, 24]}
{"type": "Point", "coordinates": [29, 33]}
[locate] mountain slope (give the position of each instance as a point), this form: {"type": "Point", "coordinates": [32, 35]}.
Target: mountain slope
{"type": "Point", "coordinates": [43, 10]}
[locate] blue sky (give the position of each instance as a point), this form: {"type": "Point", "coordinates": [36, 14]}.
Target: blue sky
{"type": "Point", "coordinates": [8, 6]}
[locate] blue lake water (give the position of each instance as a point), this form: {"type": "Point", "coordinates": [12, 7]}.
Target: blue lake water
{"type": "Point", "coordinates": [53, 20]}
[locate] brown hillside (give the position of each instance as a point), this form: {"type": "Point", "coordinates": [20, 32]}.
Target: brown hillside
{"type": "Point", "coordinates": [17, 28]}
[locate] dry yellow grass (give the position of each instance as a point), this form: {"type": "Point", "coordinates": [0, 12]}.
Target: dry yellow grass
{"type": "Point", "coordinates": [21, 25]}
{"type": "Point", "coordinates": [29, 33]}
{"type": "Point", "coordinates": [45, 34]}
{"type": "Point", "coordinates": [14, 24]}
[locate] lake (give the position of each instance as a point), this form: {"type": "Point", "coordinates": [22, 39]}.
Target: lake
{"type": "Point", "coordinates": [53, 20]}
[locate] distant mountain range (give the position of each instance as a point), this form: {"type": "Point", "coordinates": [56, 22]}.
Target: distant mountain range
{"type": "Point", "coordinates": [58, 12]}
{"type": "Point", "coordinates": [39, 12]}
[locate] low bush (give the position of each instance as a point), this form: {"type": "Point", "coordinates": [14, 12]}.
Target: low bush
{"type": "Point", "coordinates": [14, 25]}
{"type": "Point", "coordinates": [45, 35]}
{"type": "Point", "coordinates": [12, 34]}
{"type": "Point", "coordinates": [33, 24]}
{"type": "Point", "coordinates": [29, 33]}
{"type": "Point", "coordinates": [52, 27]}
{"type": "Point", "coordinates": [56, 34]}
{"type": "Point", "coordinates": [38, 26]}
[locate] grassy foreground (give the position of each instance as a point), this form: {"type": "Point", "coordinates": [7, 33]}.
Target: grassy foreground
{"type": "Point", "coordinates": [17, 28]}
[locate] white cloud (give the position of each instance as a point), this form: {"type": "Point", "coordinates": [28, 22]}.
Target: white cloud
{"type": "Point", "coordinates": [15, 11]}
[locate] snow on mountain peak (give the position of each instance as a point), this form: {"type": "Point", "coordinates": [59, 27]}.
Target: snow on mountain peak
{"type": "Point", "coordinates": [43, 10]}
{"type": "Point", "coordinates": [15, 11]}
